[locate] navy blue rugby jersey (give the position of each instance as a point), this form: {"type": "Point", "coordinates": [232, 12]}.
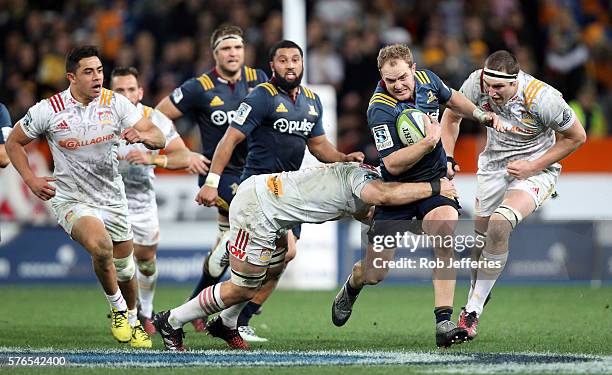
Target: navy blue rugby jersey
{"type": "Point", "coordinates": [211, 103]}
{"type": "Point", "coordinates": [383, 111]}
{"type": "Point", "coordinates": [277, 128]}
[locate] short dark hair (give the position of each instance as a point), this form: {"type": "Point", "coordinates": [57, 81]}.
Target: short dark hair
{"type": "Point", "coordinates": [122, 71]}
{"type": "Point", "coordinates": [77, 53]}
{"type": "Point", "coordinates": [284, 44]}
{"type": "Point", "coordinates": [503, 61]}
{"type": "Point", "coordinates": [223, 31]}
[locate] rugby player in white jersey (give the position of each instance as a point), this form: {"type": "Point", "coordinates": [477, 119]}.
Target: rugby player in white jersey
{"type": "Point", "coordinates": [83, 125]}
{"type": "Point", "coordinates": [518, 169]}
{"type": "Point", "coordinates": [137, 167]}
{"type": "Point", "coordinates": [264, 209]}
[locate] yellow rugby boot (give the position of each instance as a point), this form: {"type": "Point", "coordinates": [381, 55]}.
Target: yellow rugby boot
{"type": "Point", "coordinates": [119, 325]}
{"type": "Point", "coordinates": [140, 339]}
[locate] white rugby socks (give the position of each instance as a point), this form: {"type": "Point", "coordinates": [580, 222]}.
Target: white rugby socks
{"type": "Point", "coordinates": [146, 292]}
{"type": "Point", "coordinates": [206, 303]}
{"type": "Point", "coordinates": [117, 301]}
{"type": "Point", "coordinates": [487, 276]}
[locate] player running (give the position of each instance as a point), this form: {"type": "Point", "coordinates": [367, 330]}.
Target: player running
{"type": "Point", "coordinates": [518, 169]}
{"type": "Point", "coordinates": [403, 86]}
{"type": "Point", "coordinates": [83, 125]}
{"type": "Point", "coordinates": [211, 100]}
{"type": "Point", "coordinates": [279, 119]}
{"type": "Point", "coordinates": [137, 167]}
{"type": "Point", "coordinates": [265, 208]}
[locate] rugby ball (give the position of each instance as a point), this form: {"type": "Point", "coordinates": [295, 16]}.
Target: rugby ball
{"type": "Point", "coordinates": [410, 126]}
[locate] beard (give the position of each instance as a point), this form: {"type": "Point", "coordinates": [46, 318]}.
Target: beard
{"type": "Point", "coordinates": [286, 85]}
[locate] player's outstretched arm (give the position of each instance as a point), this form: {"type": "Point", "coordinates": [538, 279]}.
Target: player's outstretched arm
{"type": "Point", "coordinates": [177, 155]}
{"type": "Point", "coordinates": [567, 142]}
{"type": "Point", "coordinates": [15, 148]}
{"type": "Point", "coordinates": [463, 107]}
{"type": "Point", "coordinates": [208, 193]}
{"type": "Point", "coordinates": [322, 149]}
{"type": "Point", "coordinates": [405, 158]}
{"type": "Point", "coordinates": [168, 108]}
{"type": "Point", "coordinates": [381, 193]}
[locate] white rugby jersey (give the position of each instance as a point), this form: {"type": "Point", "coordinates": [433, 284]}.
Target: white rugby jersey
{"type": "Point", "coordinates": [138, 178]}
{"type": "Point", "coordinates": [84, 141]}
{"type": "Point", "coordinates": [534, 114]}
{"type": "Point", "coordinates": [314, 195]}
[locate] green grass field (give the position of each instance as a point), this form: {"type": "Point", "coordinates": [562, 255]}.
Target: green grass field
{"type": "Point", "coordinates": [544, 320]}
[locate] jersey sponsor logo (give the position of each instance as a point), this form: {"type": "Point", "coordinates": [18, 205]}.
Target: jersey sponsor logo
{"type": "Point", "coordinates": [431, 97]}
{"type": "Point", "coordinates": [286, 126]}
{"type": "Point", "coordinates": [216, 101]}
{"type": "Point", "coordinates": [105, 118]}
{"type": "Point", "coordinates": [241, 113]}
{"type": "Point", "coordinates": [74, 143]}
{"type": "Point", "coordinates": [312, 111]}
{"type": "Point", "coordinates": [177, 95]}
{"type": "Point", "coordinates": [61, 126]}
{"type": "Point", "coordinates": [382, 137]}
{"type": "Point", "coordinates": [220, 117]}
{"type": "Point", "coordinates": [238, 249]}
{"type": "Point", "coordinates": [275, 185]}
{"type": "Point", "coordinates": [281, 108]}
{"type": "Point", "coordinates": [487, 107]}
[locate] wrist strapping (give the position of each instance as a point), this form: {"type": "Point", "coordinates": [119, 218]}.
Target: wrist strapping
{"type": "Point", "coordinates": [212, 180]}
{"type": "Point", "coordinates": [435, 187]}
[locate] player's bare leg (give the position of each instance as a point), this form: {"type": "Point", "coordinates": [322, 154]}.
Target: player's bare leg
{"type": "Point", "coordinates": [368, 271]}
{"type": "Point", "coordinates": [440, 223]}
{"type": "Point", "coordinates": [516, 205]}
{"type": "Point", "coordinates": [146, 275]}
{"type": "Point", "coordinates": [90, 232]}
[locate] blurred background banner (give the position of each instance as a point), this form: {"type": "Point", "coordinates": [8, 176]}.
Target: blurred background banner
{"type": "Point", "coordinates": [564, 43]}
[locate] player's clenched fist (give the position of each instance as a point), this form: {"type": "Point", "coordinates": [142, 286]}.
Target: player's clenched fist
{"type": "Point", "coordinates": [447, 188]}
{"type": "Point", "coordinates": [355, 156]}
{"type": "Point", "coordinates": [207, 196]}
{"type": "Point", "coordinates": [131, 135]}
{"type": "Point", "coordinates": [41, 188]}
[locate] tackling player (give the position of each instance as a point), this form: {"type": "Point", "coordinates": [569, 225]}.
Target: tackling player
{"type": "Point", "coordinates": [518, 169]}
{"type": "Point", "coordinates": [5, 128]}
{"type": "Point", "coordinates": [83, 125]}
{"type": "Point", "coordinates": [137, 167]}
{"type": "Point", "coordinates": [279, 119]}
{"type": "Point", "coordinates": [211, 101]}
{"type": "Point", "coordinates": [265, 208]}
{"type": "Point", "coordinates": [403, 86]}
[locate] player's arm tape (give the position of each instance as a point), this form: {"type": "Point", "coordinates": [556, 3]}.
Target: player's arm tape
{"type": "Point", "coordinates": [435, 187]}
{"type": "Point", "coordinates": [160, 160]}
{"type": "Point", "coordinates": [212, 180]}
{"type": "Point", "coordinates": [451, 160]}
{"type": "Point", "coordinates": [480, 116]}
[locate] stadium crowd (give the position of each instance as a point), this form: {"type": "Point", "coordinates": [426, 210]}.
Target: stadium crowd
{"type": "Point", "coordinates": [567, 43]}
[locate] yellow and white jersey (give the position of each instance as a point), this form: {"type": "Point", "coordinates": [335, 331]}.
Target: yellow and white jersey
{"type": "Point", "coordinates": [84, 140]}
{"type": "Point", "coordinates": [138, 178]}
{"type": "Point", "coordinates": [533, 115]}
{"type": "Point", "coordinates": [313, 195]}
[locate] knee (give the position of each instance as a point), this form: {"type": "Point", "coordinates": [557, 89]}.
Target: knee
{"type": "Point", "coordinates": [443, 252]}
{"type": "Point", "coordinates": [126, 269]}
{"type": "Point", "coordinates": [499, 229]}
{"type": "Point", "coordinates": [375, 277]}
{"type": "Point", "coordinates": [147, 267]}
{"type": "Point", "coordinates": [101, 249]}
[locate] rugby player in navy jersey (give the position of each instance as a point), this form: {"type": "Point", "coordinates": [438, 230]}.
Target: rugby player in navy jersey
{"type": "Point", "coordinates": [403, 86]}
{"type": "Point", "coordinates": [210, 101]}
{"type": "Point", "coordinates": [278, 119]}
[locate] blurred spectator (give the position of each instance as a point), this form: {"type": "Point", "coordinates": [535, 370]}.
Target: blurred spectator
{"type": "Point", "coordinates": [589, 112]}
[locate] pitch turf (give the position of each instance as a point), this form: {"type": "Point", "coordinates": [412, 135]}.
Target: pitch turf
{"type": "Point", "coordinates": [525, 329]}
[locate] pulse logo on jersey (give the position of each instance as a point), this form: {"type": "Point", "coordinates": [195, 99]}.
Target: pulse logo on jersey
{"type": "Point", "coordinates": [285, 126]}
{"type": "Point", "coordinates": [220, 117]}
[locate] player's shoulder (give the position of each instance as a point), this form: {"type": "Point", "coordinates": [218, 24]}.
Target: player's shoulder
{"type": "Point", "coordinates": [206, 81]}
{"type": "Point", "coordinates": [309, 93]}
{"type": "Point", "coordinates": [382, 106]}
{"type": "Point", "coordinates": [55, 103]}
{"type": "Point", "coordinates": [537, 93]}
{"type": "Point", "coordinates": [426, 77]}
{"type": "Point", "coordinates": [265, 89]}
{"type": "Point", "coordinates": [254, 76]}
